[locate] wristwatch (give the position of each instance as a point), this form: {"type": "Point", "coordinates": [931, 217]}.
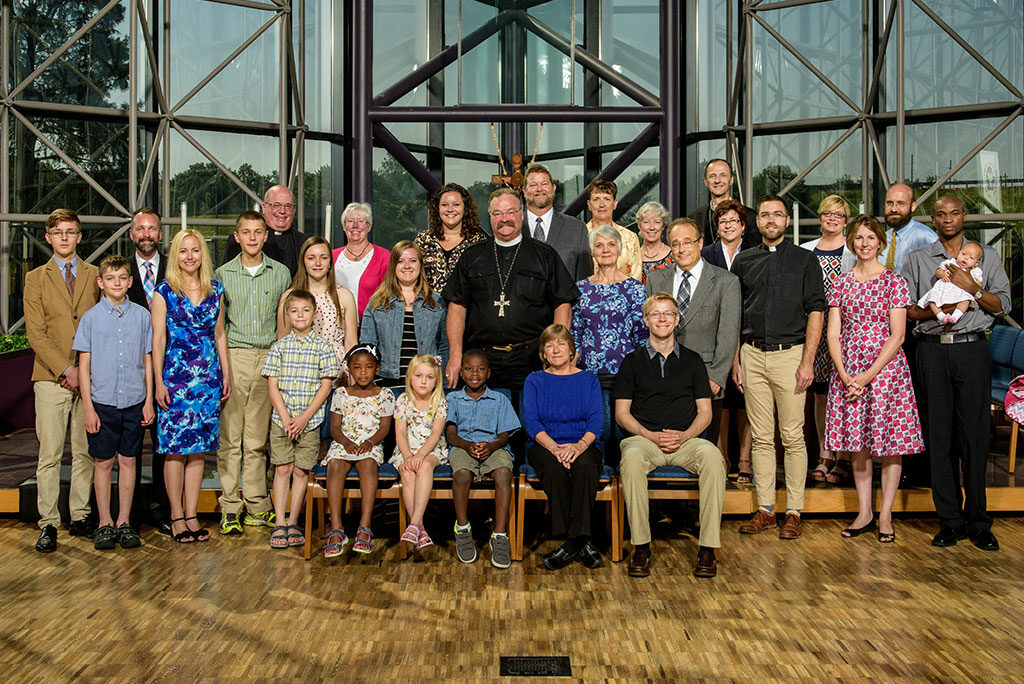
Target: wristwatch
{"type": "Point", "coordinates": [979, 294]}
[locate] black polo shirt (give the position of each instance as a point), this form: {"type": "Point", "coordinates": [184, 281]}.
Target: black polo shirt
{"type": "Point", "coordinates": [664, 390]}
{"type": "Point", "coordinates": [781, 285]}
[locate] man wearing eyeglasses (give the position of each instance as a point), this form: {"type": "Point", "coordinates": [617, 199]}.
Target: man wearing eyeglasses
{"type": "Point", "coordinates": [709, 309]}
{"type": "Point", "coordinates": [57, 294]}
{"type": "Point", "coordinates": [283, 240]}
{"type": "Point", "coordinates": [783, 313]}
{"type": "Point", "coordinates": [502, 294]}
{"type": "Point", "coordinates": [718, 181]}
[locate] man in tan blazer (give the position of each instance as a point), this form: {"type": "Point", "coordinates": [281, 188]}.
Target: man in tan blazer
{"type": "Point", "coordinates": [57, 294]}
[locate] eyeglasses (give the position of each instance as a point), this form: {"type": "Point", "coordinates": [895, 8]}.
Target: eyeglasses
{"type": "Point", "coordinates": [663, 314]}
{"type": "Point", "coordinates": [362, 223]}
{"type": "Point", "coordinates": [684, 243]}
{"type": "Point", "coordinates": [772, 214]}
{"type": "Point", "coordinates": [502, 214]}
{"type": "Point", "coordinates": [834, 214]}
{"type": "Point", "coordinates": [64, 233]}
{"type": "Point", "coordinates": [277, 206]}
{"type": "Point", "coordinates": [729, 222]}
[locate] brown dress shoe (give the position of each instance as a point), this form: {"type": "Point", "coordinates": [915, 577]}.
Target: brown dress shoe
{"type": "Point", "coordinates": [707, 566]}
{"type": "Point", "coordinates": [759, 523]}
{"type": "Point", "coordinates": [640, 564]}
{"type": "Point", "coordinates": [792, 528]}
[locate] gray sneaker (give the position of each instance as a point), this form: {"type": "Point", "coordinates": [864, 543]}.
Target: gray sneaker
{"type": "Point", "coordinates": [501, 549]}
{"type": "Point", "coordinates": [464, 545]}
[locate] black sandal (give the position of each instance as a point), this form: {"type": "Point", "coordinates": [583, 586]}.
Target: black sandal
{"type": "Point", "coordinates": [186, 536]}
{"type": "Point", "coordinates": [200, 535]}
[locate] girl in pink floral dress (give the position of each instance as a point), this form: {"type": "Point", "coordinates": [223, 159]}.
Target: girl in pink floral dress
{"type": "Point", "coordinates": [871, 409]}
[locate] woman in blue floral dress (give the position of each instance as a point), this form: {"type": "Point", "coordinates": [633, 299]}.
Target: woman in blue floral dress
{"type": "Point", "coordinates": [608, 318]}
{"type": "Point", "coordinates": [190, 375]}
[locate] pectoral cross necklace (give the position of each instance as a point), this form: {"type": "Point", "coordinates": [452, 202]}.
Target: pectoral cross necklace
{"type": "Point", "coordinates": [501, 302]}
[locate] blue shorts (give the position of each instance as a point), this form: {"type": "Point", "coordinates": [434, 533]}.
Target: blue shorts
{"type": "Point", "coordinates": [120, 432]}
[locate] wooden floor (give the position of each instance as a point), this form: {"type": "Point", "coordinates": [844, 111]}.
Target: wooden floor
{"type": "Point", "coordinates": [820, 609]}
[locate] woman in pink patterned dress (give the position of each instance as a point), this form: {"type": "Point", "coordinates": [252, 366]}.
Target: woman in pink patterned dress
{"type": "Point", "coordinates": [871, 409]}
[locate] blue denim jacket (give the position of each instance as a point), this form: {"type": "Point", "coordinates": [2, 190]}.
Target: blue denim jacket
{"type": "Point", "coordinates": [383, 327]}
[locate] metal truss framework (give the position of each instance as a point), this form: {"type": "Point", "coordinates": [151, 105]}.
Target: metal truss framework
{"type": "Point", "coordinates": [868, 115]}
{"type": "Point", "coordinates": [148, 130]}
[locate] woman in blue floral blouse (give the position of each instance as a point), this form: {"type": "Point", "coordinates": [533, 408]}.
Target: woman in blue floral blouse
{"type": "Point", "coordinates": [607, 319]}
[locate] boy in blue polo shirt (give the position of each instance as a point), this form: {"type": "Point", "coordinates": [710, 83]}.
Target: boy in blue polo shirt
{"type": "Point", "coordinates": [114, 341]}
{"type": "Point", "coordinates": [480, 421]}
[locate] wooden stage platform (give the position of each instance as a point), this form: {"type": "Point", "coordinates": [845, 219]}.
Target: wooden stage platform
{"type": "Point", "coordinates": [820, 609]}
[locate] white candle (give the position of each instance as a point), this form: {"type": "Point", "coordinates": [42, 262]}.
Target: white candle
{"type": "Point", "coordinates": [796, 223]}
{"type": "Point", "coordinates": [861, 208]}
{"type": "Point", "coordinates": [184, 216]}
{"type": "Point", "coordinates": [327, 221]}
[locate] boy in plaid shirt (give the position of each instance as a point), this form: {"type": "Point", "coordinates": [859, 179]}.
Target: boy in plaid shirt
{"type": "Point", "coordinates": [300, 368]}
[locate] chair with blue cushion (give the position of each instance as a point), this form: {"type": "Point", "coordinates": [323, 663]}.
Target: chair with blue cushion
{"type": "Point", "coordinates": [529, 489]}
{"type": "Point", "coordinates": [444, 477]}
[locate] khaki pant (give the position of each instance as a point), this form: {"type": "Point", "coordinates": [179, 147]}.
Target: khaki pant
{"type": "Point", "coordinates": [54, 405]}
{"type": "Point", "coordinates": [640, 456]}
{"type": "Point", "coordinates": [244, 429]}
{"type": "Point", "coordinates": [769, 381]}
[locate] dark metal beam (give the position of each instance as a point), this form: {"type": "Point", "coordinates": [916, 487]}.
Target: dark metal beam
{"type": "Point", "coordinates": [384, 138]}
{"type": "Point", "coordinates": [618, 165]}
{"type": "Point", "coordinates": [670, 133]}
{"type": "Point", "coordinates": [360, 95]}
{"type": "Point", "coordinates": [439, 62]}
{"type": "Point", "coordinates": [534, 113]}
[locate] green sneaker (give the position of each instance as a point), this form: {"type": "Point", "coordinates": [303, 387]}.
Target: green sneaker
{"type": "Point", "coordinates": [229, 524]}
{"type": "Point", "coordinates": [256, 519]}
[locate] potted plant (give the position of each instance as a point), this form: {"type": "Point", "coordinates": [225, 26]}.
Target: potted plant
{"type": "Point", "coordinates": [17, 404]}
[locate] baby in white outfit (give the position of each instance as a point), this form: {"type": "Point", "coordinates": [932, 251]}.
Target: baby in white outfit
{"type": "Point", "coordinates": [945, 292]}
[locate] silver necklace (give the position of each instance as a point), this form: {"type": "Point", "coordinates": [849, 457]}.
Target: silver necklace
{"type": "Point", "coordinates": [501, 302]}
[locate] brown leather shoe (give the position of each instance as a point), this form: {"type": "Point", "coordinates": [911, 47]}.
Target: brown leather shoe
{"type": "Point", "coordinates": [759, 523]}
{"type": "Point", "coordinates": [792, 528]}
{"type": "Point", "coordinates": [640, 564]}
{"type": "Point", "coordinates": [707, 566]}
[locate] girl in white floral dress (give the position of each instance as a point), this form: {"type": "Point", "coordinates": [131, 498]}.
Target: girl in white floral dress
{"type": "Point", "coordinates": [421, 447]}
{"type": "Point", "coordinates": [360, 419]}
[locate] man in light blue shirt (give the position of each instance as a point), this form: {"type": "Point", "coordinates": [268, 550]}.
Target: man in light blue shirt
{"type": "Point", "coordinates": [904, 234]}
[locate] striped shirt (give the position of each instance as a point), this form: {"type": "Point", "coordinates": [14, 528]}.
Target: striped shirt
{"type": "Point", "coordinates": [299, 363]}
{"type": "Point", "coordinates": [250, 312]}
{"type": "Point", "coordinates": [408, 350]}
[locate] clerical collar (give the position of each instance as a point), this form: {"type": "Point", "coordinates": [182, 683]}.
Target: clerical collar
{"type": "Point", "coordinates": [511, 243]}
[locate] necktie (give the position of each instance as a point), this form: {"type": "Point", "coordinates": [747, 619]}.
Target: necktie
{"type": "Point", "coordinates": [683, 294]}
{"type": "Point", "coordinates": [890, 260]}
{"type": "Point", "coordinates": [148, 282]}
{"type": "Point", "coordinates": [69, 280]}
{"type": "Point", "coordinates": [538, 231]}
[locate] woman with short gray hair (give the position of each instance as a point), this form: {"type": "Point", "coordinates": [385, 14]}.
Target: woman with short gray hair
{"type": "Point", "coordinates": [360, 265]}
{"type": "Point", "coordinates": [651, 219]}
{"type": "Point", "coordinates": [607, 319]}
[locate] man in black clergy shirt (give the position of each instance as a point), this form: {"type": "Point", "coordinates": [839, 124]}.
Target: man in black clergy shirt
{"type": "Point", "coordinates": [283, 241]}
{"type": "Point", "coordinates": [783, 314]}
{"type": "Point", "coordinates": [503, 293]}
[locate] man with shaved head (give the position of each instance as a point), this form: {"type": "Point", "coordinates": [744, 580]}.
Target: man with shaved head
{"type": "Point", "coordinates": [283, 241]}
{"type": "Point", "coordinates": [954, 371]}
{"type": "Point", "coordinates": [904, 234]}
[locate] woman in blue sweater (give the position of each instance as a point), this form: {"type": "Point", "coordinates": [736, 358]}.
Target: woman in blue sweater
{"type": "Point", "coordinates": [562, 411]}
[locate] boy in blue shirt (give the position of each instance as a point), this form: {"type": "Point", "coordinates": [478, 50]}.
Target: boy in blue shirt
{"type": "Point", "coordinates": [115, 341]}
{"type": "Point", "coordinates": [479, 423]}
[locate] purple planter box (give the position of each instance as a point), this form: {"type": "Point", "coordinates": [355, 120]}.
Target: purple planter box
{"type": "Point", "coordinates": [17, 402]}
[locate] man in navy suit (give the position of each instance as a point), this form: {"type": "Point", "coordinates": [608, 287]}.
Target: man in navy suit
{"type": "Point", "coordinates": [148, 268]}
{"type": "Point", "coordinates": [567, 235]}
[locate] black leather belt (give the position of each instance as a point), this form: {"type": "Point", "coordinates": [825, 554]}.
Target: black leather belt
{"type": "Point", "coordinates": [512, 347]}
{"type": "Point", "coordinates": [953, 338]}
{"type": "Point", "coordinates": [769, 347]}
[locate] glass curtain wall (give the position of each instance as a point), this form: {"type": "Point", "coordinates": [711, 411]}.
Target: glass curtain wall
{"type": "Point", "coordinates": [200, 105]}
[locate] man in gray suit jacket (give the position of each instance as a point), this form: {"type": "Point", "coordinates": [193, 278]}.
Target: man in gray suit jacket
{"type": "Point", "coordinates": [567, 235]}
{"type": "Point", "coordinates": [709, 307]}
